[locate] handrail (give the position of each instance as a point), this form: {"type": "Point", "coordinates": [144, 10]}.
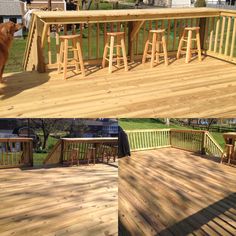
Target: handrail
{"type": "Point", "coordinates": [211, 146]}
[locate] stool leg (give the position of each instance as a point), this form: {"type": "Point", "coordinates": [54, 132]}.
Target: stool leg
{"type": "Point", "coordinates": [104, 55]}
{"type": "Point", "coordinates": [122, 41]}
{"type": "Point", "coordinates": [189, 46]}
{"type": "Point", "coordinates": [145, 51]}
{"type": "Point", "coordinates": [118, 51]}
{"type": "Point", "coordinates": [76, 58]}
{"type": "Point", "coordinates": [60, 61]}
{"type": "Point", "coordinates": [199, 50]}
{"type": "Point", "coordinates": [154, 42]}
{"type": "Point", "coordinates": [163, 38]}
{"type": "Point", "coordinates": [158, 52]}
{"type": "Point", "coordinates": [65, 58]}
{"type": "Point", "coordinates": [111, 54]}
{"type": "Point", "coordinates": [180, 45]}
{"type": "Point", "coordinates": [80, 56]}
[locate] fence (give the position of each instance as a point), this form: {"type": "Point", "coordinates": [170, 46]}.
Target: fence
{"type": "Point", "coordinates": [16, 152]}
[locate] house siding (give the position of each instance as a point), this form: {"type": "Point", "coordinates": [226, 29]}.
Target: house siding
{"type": "Point", "coordinates": [18, 20]}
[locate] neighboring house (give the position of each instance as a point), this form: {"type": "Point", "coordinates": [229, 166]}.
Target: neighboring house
{"type": "Point", "coordinates": [97, 127]}
{"type": "Point", "coordinates": [10, 10]}
{"type": "Point", "coordinates": [172, 3]}
{"type": "Point", "coordinates": [41, 4]}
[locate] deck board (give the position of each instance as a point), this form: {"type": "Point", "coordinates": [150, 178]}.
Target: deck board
{"type": "Point", "coordinates": [198, 89]}
{"type": "Point", "coordinates": [175, 192]}
{"type": "Point", "coordinates": [59, 201]}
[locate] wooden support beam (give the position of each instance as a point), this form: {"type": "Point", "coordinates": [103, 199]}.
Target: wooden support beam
{"type": "Point", "coordinates": [135, 29]}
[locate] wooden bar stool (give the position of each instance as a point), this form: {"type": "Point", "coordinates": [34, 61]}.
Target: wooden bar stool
{"type": "Point", "coordinates": [119, 45]}
{"type": "Point", "coordinates": [91, 155]}
{"type": "Point", "coordinates": [228, 153]}
{"type": "Point", "coordinates": [158, 40]}
{"type": "Point", "coordinates": [188, 40]}
{"type": "Point", "coordinates": [77, 59]}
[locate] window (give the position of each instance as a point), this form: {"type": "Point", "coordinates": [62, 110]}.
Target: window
{"type": "Point", "coordinates": [13, 19]}
{"type": "Point", "coordinates": [1, 19]}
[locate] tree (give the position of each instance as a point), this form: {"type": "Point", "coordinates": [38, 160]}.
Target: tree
{"type": "Point", "coordinates": [48, 126]}
{"type": "Point", "coordinates": [200, 3]}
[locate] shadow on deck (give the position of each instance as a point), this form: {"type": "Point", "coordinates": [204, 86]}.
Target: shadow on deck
{"type": "Point", "coordinates": [174, 192]}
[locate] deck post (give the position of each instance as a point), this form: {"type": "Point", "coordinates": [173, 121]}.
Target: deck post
{"type": "Point", "coordinates": [30, 153]}
{"type": "Point", "coordinates": [62, 152]}
{"type": "Point", "coordinates": [130, 42]}
{"type": "Point", "coordinates": [203, 149]}
{"type": "Point", "coordinates": [202, 25]}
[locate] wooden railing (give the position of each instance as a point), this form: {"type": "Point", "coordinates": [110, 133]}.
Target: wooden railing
{"type": "Point", "coordinates": [16, 152]}
{"type": "Point", "coordinates": [217, 32]}
{"type": "Point", "coordinates": [220, 38]}
{"type": "Point", "coordinates": [211, 147]}
{"type": "Point", "coordinates": [148, 139]}
{"type": "Point", "coordinates": [191, 140]}
{"type": "Point", "coordinates": [198, 141]}
{"type": "Point", "coordinates": [65, 147]}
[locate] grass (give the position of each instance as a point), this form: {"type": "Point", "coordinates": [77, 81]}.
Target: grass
{"type": "Point", "coordinates": [149, 123]}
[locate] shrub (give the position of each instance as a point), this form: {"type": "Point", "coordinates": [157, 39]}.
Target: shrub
{"type": "Point", "coordinates": [200, 3]}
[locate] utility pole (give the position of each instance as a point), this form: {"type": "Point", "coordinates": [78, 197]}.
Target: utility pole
{"type": "Point", "coordinates": [49, 5]}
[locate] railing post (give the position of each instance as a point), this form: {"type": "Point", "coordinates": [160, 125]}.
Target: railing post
{"type": "Point", "coordinates": [203, 147]}
{"type": "Point", "coordinates": [62, 151]}
{"type": "Point", "coordinates": [30, 151]}
{"type": "Point", "coordinates": [170, 137]}
{"type": "Point", "coordinates": [130, 42]}
{"type": "Point", "coordinates": [202, 25]}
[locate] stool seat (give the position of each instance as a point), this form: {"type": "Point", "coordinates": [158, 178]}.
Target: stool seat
{"type": "Point", "coordinates": [158, 40]}
{"type": "Point", "coordinates": [192, 28]}
{"type": "Point", "coordinates": [119, 46]}
{"type": "Point", "coordinates": [73, 36]}
{"type": "Point", "coordinates": [188, 40]}
{"type": "Point", "coordinates": [115, 33]}
{"type": "Point", "coordinates": [158, 31]}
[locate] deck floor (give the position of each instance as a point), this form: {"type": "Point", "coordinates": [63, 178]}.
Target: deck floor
{"type": "Point", "coordinates": [59, 201]}
{"type": "Point", "coordinates": [174, 192]}
{"type": "Point", "coordinates": [198, 89]}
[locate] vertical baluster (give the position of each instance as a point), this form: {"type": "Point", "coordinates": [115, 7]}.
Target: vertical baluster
{"type": "Point", "coordinates": [233, 39]}
{"type": "Point", "coordinates": [49, 46]}
{"type": "Point", "coordinates": [211, 33]}
{"type": "Point", "coordinates": [175, 35]}
{"type": "Point", "coordinates": [98, 41]}
{"type": "Point", "coordinates": [217, 35]}
{"type": "Point", "coordinates": [89, 42]}
{"type": "Point", "coordinates": [228, 36]}
{"type": "Point", "coordinates": [168, 34]}
{"type": "Point", "coordinates": [222, 34]}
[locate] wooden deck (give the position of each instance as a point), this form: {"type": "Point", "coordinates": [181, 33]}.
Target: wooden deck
{"type": "Point", "coordinates": [59, 201]}
{"type": "Point", "coordinates": [174, 192]}
{"type": "Point", "coordinates": [206, 89]}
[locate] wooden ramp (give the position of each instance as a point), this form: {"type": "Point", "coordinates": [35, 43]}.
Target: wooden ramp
{"type": "Point", "coordinates": [205, 89]}
{"type": "Point", "coordinates": [59, 201]}
{"type": "Point", "coordinates": [174, 192]}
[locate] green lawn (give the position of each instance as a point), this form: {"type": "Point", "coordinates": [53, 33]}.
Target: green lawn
{"type": "Point", "coordinates": [132, 124]}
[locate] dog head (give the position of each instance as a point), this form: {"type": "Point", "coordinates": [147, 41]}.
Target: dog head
{"type": "Point", "coordinates": [9, 28]}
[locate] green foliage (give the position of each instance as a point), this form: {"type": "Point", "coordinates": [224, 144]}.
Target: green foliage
{"type": "Point", "coordinates": [200, 3]}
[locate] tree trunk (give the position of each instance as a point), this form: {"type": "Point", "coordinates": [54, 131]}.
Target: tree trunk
{"type": "Point", "coordinates": [45, 139]}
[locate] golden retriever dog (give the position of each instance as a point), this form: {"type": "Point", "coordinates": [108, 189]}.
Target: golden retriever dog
{"type": "Point", "coordinates": [7, 31]}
